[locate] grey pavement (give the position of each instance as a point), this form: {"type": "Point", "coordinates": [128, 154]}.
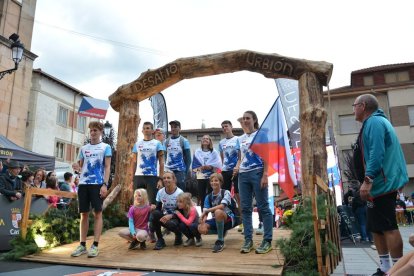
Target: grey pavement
{"type": "Point", "coordinates": [364, 261]}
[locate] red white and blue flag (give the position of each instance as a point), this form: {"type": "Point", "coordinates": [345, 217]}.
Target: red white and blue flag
{"type": "Point", "coordinates": [95, 108]}
{"type": "Point", "coordinates": [271, 143]}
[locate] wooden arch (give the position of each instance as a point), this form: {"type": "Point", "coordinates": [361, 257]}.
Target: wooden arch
{"type": "Point", "coordinates": [312, 75]}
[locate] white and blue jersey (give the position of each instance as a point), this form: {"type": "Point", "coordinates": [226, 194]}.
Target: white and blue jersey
{"type": "Point", "coordinates": [175, 154]}
{"type": "Point", "coordinates": [212, 200]}
{"type": "Point", "coordinates": [147, 156]}
{"type": "Point", "coordinates": [249, 160]}
{"type": "Point", "coordinates": [230, 148]}
{"type": "Point", "coordinates": [93, 169]}
{"type": "Point", "coordinates": [169, 201]}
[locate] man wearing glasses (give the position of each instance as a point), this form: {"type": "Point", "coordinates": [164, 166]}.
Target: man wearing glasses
{"type": "Point", "coordinates": [385, 174]}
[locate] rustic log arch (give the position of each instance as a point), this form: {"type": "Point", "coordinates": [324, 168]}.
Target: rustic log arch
{"type": "Point", "coordinates": [312, 75]}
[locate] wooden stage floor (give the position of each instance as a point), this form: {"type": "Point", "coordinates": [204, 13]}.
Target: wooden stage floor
{"type": "Point", "coordinates": [114, 253]}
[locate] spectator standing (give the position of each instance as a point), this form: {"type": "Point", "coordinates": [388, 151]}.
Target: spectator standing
{"type": "Point", "coordinates": [206, 161]}
{"type": "Point", "coordinates": [39, 179]}
{"type": "Point", "coordinates": [52, 184]}
{"type": "Point", "coordinates": [147, 154]}
{"type": "Point", "coordinates": [385, 174]}
{"type": "Point", "coordinates": [95, 160]}
{"type": "Point", "coordinates": [10, 184]}
{"type": "Point", "coordinates": [27, 180]}
{"type": "Point", "coordinates": [178, 158]}
{"type": "Point", "coordinates": [66, 186]}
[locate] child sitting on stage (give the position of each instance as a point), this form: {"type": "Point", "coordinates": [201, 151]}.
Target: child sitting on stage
{"type": "Point", "coordinates": [188, 216]}
{"type": "Point", "coordinates": [138, 216]}
{"type": "Point", "coordinates": [217, 203]}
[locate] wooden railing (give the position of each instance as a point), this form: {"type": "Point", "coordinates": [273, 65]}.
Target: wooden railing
{"type": "Point", "coordinates": [330, 224]}
{"type": "Point", "coordinates": [28, 200]}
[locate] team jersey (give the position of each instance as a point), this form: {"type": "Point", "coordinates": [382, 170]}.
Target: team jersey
{"type": "Point", "coordinates": [175, 154]}
{"type": "Point", "coordinates": [250, 160]}
{"type": "Point", "coordinates": [212, 200]}
{"type": "Point", "coordinates": [169, 201]}
{"type": "Point", "coordinates": [147, 160]}
{"type": "Point", "coordinates": [230, 148]}
{"type": "Point", "coordinates": [93, 169]}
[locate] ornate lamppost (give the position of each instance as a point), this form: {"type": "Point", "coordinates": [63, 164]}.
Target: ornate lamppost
{"type": "Point", "coordinates": [17, 53]}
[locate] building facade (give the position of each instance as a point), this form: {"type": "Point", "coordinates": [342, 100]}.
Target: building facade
{"type": "Point", "coordinates": [54, 126]}
{"type": "Point", "coordinates": [393, 85]}
{"type": "Point", "coordinates": [17, 16]}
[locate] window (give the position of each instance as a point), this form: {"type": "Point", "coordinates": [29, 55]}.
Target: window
{"type": "Point", "coordinates": [77, 149]}
{"type": "Point", "coordinates": [368, 80]}
{"type": "Point", "coordinates": [397, 77]}
{"type": "Point", "coordinates": [60, 150]}
{"type": "Point", "coordinates": [81, 124]}
{"type": "Point", "coordinates": [62, 116]}
{"type": "Point", "coordinates": [348, 125]}
{"type": "Point", "coordinates": [411, 114]}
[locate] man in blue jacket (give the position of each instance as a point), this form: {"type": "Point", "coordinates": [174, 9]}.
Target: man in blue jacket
{"type": "Point", "coordinates": [385, 174]}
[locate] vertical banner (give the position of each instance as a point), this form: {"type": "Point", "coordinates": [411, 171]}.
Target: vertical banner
{"type": "Point", "coordinates": [289, 95]}
{"type": "Point", "coordinates": [159, 108]}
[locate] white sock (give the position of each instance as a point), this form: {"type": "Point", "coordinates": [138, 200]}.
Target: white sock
{"type": "Point", "coordinates": [394, 260]}
{"type": "Point", "coordinates": [385, 262]}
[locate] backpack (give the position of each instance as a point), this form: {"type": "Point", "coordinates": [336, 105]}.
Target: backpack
{"type": "Point", "coordinates": [358, 158]}
{"type": "Point", "coordinates": [234, 207]}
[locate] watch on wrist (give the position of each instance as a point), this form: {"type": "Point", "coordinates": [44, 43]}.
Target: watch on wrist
{"type": "Point", "coordinates": [368, 180]}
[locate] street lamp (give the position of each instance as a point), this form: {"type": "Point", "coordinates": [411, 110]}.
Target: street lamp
{"type": "Point", "coordinates": [107, 128]}
{"type": "Point", "coordinates": [17, 53]}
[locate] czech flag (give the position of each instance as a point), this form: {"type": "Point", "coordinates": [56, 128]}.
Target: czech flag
{"type": "Point", "coordinates": [272, 145]}
{"type": "Point", "coordinates": [95, 108]}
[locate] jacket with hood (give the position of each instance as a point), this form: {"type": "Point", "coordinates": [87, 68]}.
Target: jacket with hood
{"type": "Point", "coordinates": [383, 156]}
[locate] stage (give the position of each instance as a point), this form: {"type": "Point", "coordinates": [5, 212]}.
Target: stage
{"type": "Point", "coordinates": [114, 253]}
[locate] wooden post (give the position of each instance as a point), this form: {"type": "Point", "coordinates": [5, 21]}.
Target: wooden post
{"type": "Point", "coordinates": [127, 135]}
{"type": "Point", "coordinates": [312, 127]}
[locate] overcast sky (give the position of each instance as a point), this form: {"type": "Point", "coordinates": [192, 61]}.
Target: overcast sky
{"type": "Point", "coordinates": [99, 45]}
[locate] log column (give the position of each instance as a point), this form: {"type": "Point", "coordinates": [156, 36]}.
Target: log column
{"type": "Point", "coordinates": [127, 135]}
{"type": "Point", "coordinates": [313, 118]}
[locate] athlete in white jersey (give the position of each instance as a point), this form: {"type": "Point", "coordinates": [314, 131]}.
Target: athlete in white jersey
{"type": "Point", "coordinates": [147, 154]}
{"type": "Point", "coordinates": [95, 161]}
{"type": "Point", "coordinates": [229, 151]}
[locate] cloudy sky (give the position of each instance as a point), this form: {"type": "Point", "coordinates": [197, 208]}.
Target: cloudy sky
{"type": "Point", "coordinates": [98, 45]}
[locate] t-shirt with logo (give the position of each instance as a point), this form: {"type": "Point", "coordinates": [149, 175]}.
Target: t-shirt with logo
{"type": "Point", "coordinates": [93, 169]}
{"type": "Point", "coordinates": [169, 201]}
{"type": "Point", "coordinates": [147, 159]}
{"type": "Point", "coordinates": [230, 148]}
{"type": "Point", "coordinates": [250, 160]}
{"type": "Point", "coordinates": [175, 154]}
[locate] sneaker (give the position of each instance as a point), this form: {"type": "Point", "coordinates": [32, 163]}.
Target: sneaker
{"type": "Point", "coordinates": [160, 244]}
{"type": "Point", "coordinates": [218, 246]}
{"type": "Point", "coordinates": [93, 252]}
{"type": "Point", "coordinates": [240, 229]}
{"type": "Point", "coordinates": [189, 242]}
{"type": "Point", "coordinates": [247, 246]}
{"type": "Point", "coordinates": [178, 240]}
{"type": "Point", "coordinates": [264, 248]}
{"type": "Point", "coordinates": [142, 245]}
{"type": "Point", "coordinates": [133, 244]}
{"type": "Point", "coordinates": [373, 247]}
{"type": "Point", "coordinates": [199, 242]}
{"type": "Point", "coordinates": [259, 231]}
{"type": "Point", "coordinates": [166, 232]}
{"type": "Point", "coordinates": [80, 250]}
{"type": "Point", "coordinates": [379, 272]}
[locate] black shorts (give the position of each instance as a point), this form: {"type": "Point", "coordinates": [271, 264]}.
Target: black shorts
{"type": "Point", "coordinates": [228, 181]}
{"type": "Point", "coordinates": [149, 183]}
{"type": "Point", "coordinates": [381, 214]}
{"type": "Point", "coordinates": [89, 195]}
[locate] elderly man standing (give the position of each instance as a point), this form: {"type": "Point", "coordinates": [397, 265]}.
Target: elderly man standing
{"type": "Point", "coordinates": [10, 183]}
{"type": "Point", "coordinates": [385, 173]}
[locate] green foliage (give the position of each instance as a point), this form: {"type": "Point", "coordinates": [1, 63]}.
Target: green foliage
{"type": "Point", "coordinates": [300, 249]}
{"type": "Point", "coordinates": [61, 226]}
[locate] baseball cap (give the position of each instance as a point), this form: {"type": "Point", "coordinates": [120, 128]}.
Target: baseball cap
{"type": "Point", "coordinates": [175, 122]}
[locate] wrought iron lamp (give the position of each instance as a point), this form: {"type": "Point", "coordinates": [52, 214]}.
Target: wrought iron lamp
{"type": "Point", "coordinates": [107, 128]}
{"type": "Point", "coordinates": [17, 53]}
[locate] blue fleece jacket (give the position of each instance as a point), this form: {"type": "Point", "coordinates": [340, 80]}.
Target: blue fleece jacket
{"type": "Point", "coordinates": [383, 156]}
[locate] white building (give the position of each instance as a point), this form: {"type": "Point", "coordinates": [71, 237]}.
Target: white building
{"type": "Point", "coordinates": [53, 126]}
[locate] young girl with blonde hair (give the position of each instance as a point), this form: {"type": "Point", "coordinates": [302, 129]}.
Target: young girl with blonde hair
{"type": "Point", "coordinates": [138, 216]}
{"type": "Point", "coordinates": [188, 216]}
